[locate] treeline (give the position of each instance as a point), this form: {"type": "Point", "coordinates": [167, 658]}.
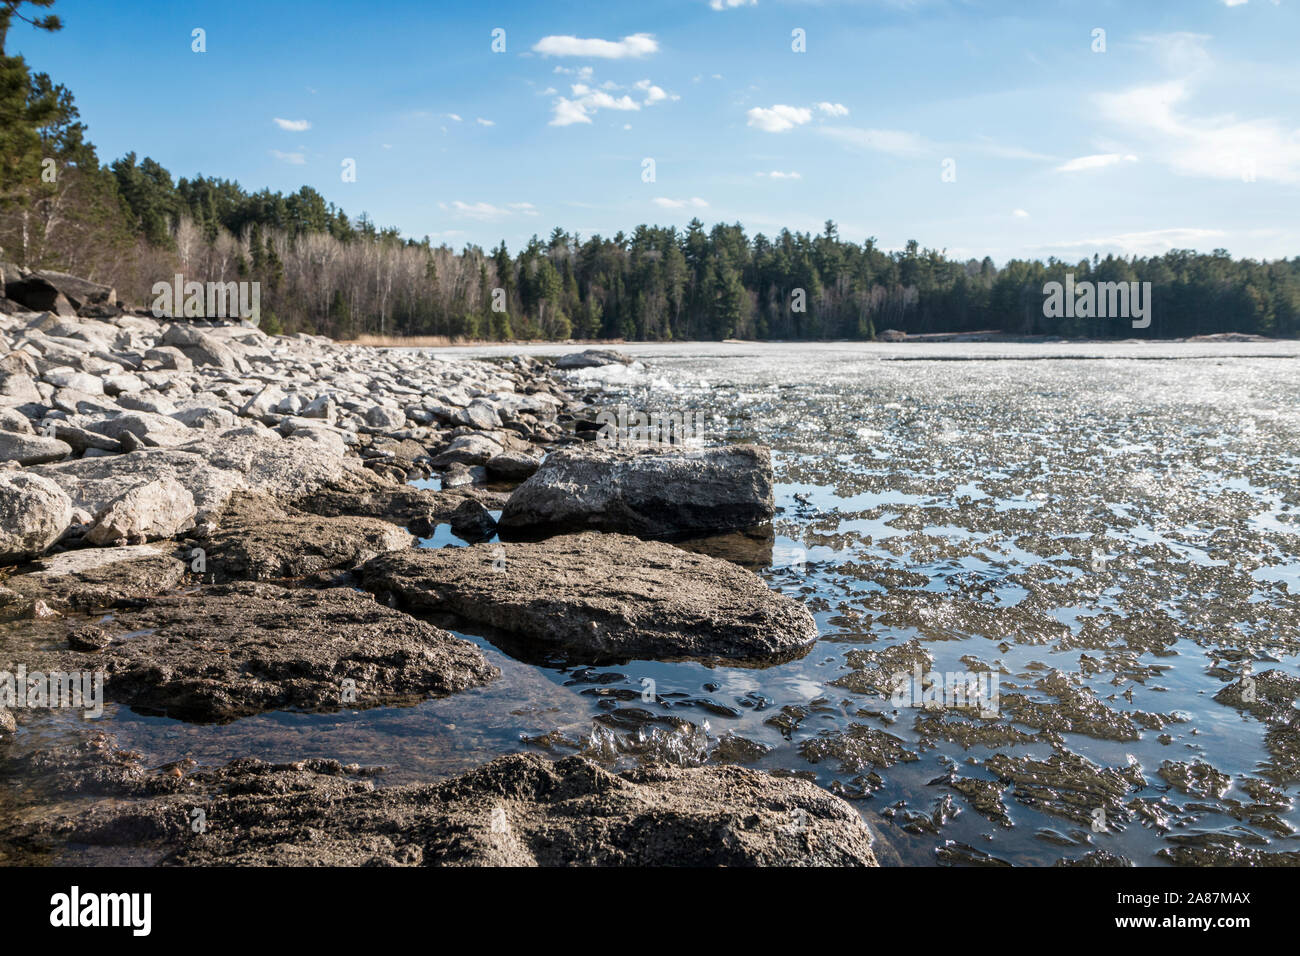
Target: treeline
{"type": "Point", "coordinates": [129, 223]}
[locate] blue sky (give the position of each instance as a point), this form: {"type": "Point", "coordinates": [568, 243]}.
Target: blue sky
{"type": "Point", "coordinates": [1183, 133]}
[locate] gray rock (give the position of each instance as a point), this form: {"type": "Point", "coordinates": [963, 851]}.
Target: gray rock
{"type": "Point", "coordinates": [203, 349]}
{"type": "Point", "coordinates": [321, 407]}
{"type": "Point", "coordinates": [32, 449]}
{"type": "Point", "coordinates": [12, 420]}
{"type": "Point", "coordinates": [147, 402]}
{"type": "Point", "coordinates": [513, 465]}
{"type": "Point", "coordinates": [169, 356]}
{"type": "Point", "coordinates": [161, 508]}
{"type": "Point", "coordinates": [385, 419]}
{"type": "Point", "coordinates": [597, 597]}
{"type": "Point", "coordinates": [155, 431]}
{"type": "Point", "coordinates": [651, 493]}
{"type": "Point", "coordinates": [82, 439]}
{"type": "Point", "coordinates": [261, 404]}
{"type": "Point", "coordinates": [592, 358]}
{"type": "Point", "coordinates": [18, 388]}
{"type": "Point", "coordinates": [34, 513]}
{"type": "Point", "coordinates": [467, 450]}
{"type": "Point", "coordinates": [71, 378]}
{"type": "Point", "coordinates": [205, 417]}
{"type": "Point", "coordinates": [479, 414]}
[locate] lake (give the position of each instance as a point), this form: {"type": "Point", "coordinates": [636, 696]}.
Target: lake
{"type": "Point", "coordinates": [1103, 538]}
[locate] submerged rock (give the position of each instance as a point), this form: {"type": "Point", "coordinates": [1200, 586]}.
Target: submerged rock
{"type": "Point", "coordinates": [652, 493]}
{"type": "Point", "coordinates": [518, 810]}
{"type": "Point", "coordinates": [234, 650]}
{"type": "Point", "coordinates": [593, 597]}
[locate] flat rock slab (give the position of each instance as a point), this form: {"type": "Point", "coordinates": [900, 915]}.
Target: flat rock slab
{"type": "Point", "coordinates": [419, 509]}
{"type": "Point", "coordinates": [518, 810]}
{"type": "Point", "coordinates": [596, 597]}
{"type": "Point", "coordinates": [259, 540]}
{"type": "Point", "coordinates": [653, 493]}
{"type": "Point", "coordinates": [100, 577]}
{"type": "Point", "coordinates": [233, 650]}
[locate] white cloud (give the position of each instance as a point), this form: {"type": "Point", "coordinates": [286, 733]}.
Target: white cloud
{"type": "Point", "coordinates": [1234, 3]}
{"type": "Point", "coordinates": [636, 45]}
{"type": "Point", "coordinates": [587, 102]}
{"type": "Point", "coordinates": [293, 159]}
{"type": "Point", "coordinates": [485, 211]}
{"type": "Point", "coordinates": [892, 141]}
{"type": "Point", "coordinates": [777, 174]}
{"type": "Point", "coordinates": [731, 4]}
{"type": "Point", "coordinates": [293, 126]}
{"type": "Point", "coordinates": [779, 118]}
{"type": "Point", "coordinates": [833, 109]}
{"type": "Point", "coordinates": [1020, 214]}
{"type": "Point", "coordinates": [1095, 161]}
{"type": "Point", "coordinates": [1217, 147]}
{"type": "Point", "coordinates": [1153, 242]}
{"type": "Point", "coordinates": [654, 94]}
{"type": "Point", "coordinates": [452, 116]}
{"type": "Point", "coordinates": [484, 122]}
{"type": "Point", "coordinates": [694, 202]}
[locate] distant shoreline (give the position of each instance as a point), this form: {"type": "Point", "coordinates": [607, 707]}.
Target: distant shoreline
{"type": "Point", "coordinates": [439, 341]}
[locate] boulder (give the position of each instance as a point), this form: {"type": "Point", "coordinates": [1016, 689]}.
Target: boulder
{"type": "Point", "coordinates": [169, 356]}
{"type": "Point", "coordinates": [205, 417]}
{"type": "Point", "coordinates": [34, 513]}
{"type": "Point", "coordinates": [161, 508]}
{"type": "Point", "coordinates": [382, 418]}
{"type": "Point", "coordinates": [31, 449]}
{"type": "Point", "coordinates": [513, 466]}
{"type": "Point", "coordinates": [155, 431]}
{"type": "Point", "coordinates": [600, 597]}
{"type": "Point", "coordinates": [591, 358]}
{"type": "Point", "coordinates": [203, 349]}
{"type": "Point", "coordinates": [48, 291]}
{"type": "Point", "coordinates": [652, 493]}
{"type": "Point", "coordinates": [12, 420]}
{"type": "Point", "coordinates": [472, 521]}
{"type": "Point", "coordinates": [467, 450]}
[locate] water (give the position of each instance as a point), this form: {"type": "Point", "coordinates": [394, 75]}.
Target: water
{"type": "Point", "coordinates": [1117, 537]}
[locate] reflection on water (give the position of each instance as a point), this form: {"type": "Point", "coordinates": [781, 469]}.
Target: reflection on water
{"type": "Point", "coordinates": [1118, 540]}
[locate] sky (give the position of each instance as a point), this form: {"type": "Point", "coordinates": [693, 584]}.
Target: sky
{"type": "Point", "coordinates": [980, 127]}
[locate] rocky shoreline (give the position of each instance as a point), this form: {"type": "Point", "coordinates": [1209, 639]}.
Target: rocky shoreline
{"type": "Point", "coordinates": [222, 523]}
